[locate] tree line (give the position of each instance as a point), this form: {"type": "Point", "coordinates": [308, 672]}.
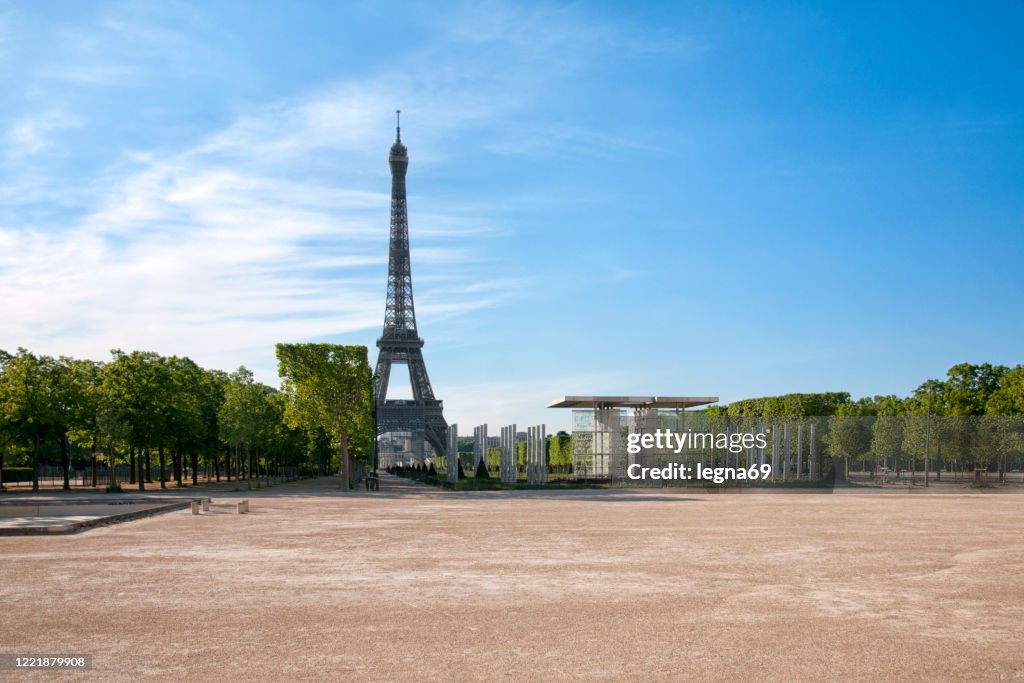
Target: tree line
{"type": "Point", "coordinates": [970, 418]}
{"type": "Point", "coordinates": [141, 408]}
{"type": "Point", "coordinates": [967, 390]}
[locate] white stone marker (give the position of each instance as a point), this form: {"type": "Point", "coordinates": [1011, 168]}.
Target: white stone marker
{"type": "Point", "coordinates": [453, 453]}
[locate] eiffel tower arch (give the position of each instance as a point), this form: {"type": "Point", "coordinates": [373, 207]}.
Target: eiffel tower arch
{"type": "Point", "coordinates": [422, 417]}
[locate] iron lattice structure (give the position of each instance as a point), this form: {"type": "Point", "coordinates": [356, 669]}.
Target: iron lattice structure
{"type": "Point", "coordinates": [422, 417]}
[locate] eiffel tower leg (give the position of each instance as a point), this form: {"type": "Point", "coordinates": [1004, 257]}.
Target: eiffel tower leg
{"type": "Point", "coordinates": [383, 375]}
{"type": "Point", "coordinates": [421, 389]}
{"type": "Point", "coordinates": [436, 433]}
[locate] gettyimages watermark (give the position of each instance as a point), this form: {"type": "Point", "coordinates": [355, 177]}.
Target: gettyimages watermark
{"type": "Point", "coordinates": [677, 442]}
{"type": "Point", "coordinates": [667, 439]}
{"type": "Point", "coordinates": [698, 472]}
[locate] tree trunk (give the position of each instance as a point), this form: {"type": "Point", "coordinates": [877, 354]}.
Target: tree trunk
{"type": "Point", "coordinates": [345, 483]}
{"type": "Point", "coordinates": [35, 464]}
{"type": "Point", "coordinates": [131, 465]}
{"type": "Point", "coordinates": [111, 463]}
{"type": "Point", "coordinates": [163, 466]}
{"type": "Point", "coordinates": [65, 461]}
{"type": "Point", "coordinates": [180, 472]}
{"type": "Point", "coordinates": [142, 475]}
{"type": "Point", "coordinates": [94, 472]}
{"type": "Point", "coordinates": [195, 468]}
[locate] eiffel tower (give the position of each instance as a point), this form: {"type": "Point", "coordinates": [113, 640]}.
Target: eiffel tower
{"type": "Point", "coordinates": [400, 343]}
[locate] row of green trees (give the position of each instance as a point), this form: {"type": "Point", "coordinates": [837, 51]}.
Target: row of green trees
{"type": "Point", "coordinates": [972, 417]}
{"type": "Point", "coordinates": [968, 389]}
{"type": "Point", "coordinates": [142, 407]}
{"type": "Point", "coordinates": [935, 443]}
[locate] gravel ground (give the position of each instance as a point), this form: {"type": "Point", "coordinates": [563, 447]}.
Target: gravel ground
{"type": "Point", "coordinates": [416, 584]}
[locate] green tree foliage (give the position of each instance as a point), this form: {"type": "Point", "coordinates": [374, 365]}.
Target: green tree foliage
{"type": "Point", "coordinates": [138, 404]}
{"type": "Point", "coordinates": [85, 426]}
{"type": "Point", "coordinates": [560, 451]}
{"type": "Point", "coordinates": [883, 406]}
{"type": "Point", "coordinates": [788, 405]}
{"type": "Point", "coordinates": [848, 437]}
{"type": "Point", "coordinates": [968, 387]}
{"type": "Point", "coordinates": [29, 402]}
{"type": "Point", "coordinates": [252, 418]}
{"type": "Point", "coordinates": [327, 387]}
{"type": "Point", "coordinates": [887, 439]}
{"type": "Point", "coordinates": [71, 399]}
{"type": "Point", "coordinates": [134, 387]}
{"type": "Point", "coordinates": [1008, 399]}
{"type": "Point", "coordinates": [210, 395]}
{"type": "Point", "coordinates": [57, 410]}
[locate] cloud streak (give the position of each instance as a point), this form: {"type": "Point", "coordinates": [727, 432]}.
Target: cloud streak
{"type": "Point", "coordinates": [273, 226]}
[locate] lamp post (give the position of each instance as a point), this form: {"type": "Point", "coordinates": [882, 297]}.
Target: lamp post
{"type": "Point", "coordinates": [927, 437]}
{"type": "Point", "coordinates": [374, 381]}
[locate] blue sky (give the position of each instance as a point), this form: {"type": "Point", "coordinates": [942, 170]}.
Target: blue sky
{"type": "Point", "coordinates": [647, 198]}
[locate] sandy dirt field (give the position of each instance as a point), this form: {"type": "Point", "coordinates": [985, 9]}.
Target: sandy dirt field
{"type": "Point", "coordinates": [416, 584]}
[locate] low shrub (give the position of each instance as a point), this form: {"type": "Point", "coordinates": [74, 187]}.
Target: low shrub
{"type": "Point", "coordinates": [481, 470]}
{"type": "Point", "coordinates": [17, 474]}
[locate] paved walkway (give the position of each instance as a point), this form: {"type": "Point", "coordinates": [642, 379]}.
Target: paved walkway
{"type": "Point", "coordinates": [415, 583]}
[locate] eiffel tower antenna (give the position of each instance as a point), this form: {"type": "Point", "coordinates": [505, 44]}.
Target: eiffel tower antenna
{"type": "Point", "coordinates": [400, 342]}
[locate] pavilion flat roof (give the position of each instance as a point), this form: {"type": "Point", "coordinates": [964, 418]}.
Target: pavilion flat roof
{"type": "Point", "coordinates": [632, 401]}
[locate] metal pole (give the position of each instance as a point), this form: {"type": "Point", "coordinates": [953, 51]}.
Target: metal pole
{"type": "Point", "coordinates": [927, 437]}
{"type": "Point", "coordinates": [373, 383]}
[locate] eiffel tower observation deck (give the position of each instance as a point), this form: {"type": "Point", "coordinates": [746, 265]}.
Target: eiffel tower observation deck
{"type": "Point", "coordinates": [421, 418]}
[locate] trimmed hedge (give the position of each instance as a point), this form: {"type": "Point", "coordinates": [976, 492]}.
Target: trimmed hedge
{"type": "Point", "coordinates": [17, 474]}
{"type": "Point", "coordinates": [481, 470]}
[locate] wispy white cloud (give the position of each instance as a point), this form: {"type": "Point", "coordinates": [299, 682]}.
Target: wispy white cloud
{"type": "Point", "coordinates": [229, 244]}
{"type": "Point", "coordinates": [207, 250]}
{"type": "Point", "coordinates": [274, 227]}
{"type": "Point", "coordinates": [30, 135]}
{"type": "Point", "coordinates": [125, 44]}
